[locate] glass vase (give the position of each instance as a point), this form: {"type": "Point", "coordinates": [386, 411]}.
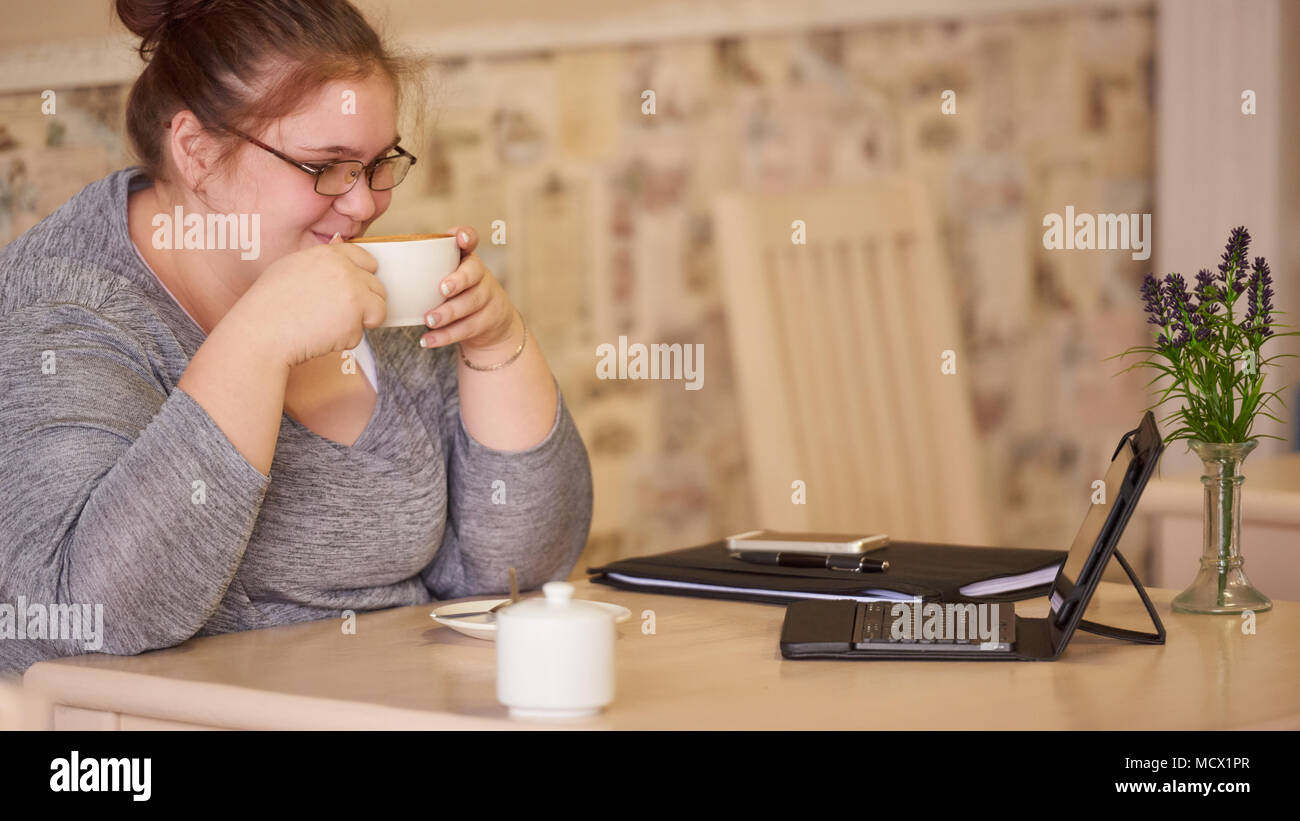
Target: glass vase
{"type": "Point", "coordinates": [1221, 585]}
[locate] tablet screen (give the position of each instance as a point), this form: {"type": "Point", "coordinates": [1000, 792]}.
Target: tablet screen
{"type": "Point", "coordinates": [1088, 541]}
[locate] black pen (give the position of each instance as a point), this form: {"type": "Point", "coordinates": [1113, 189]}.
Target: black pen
{"type": "Point", "coordinates": [853, 564]}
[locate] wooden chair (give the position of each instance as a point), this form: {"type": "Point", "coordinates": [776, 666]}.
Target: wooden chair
{"type": "Point", "coordinates": [838, 345]}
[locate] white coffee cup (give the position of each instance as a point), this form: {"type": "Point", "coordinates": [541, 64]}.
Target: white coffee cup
{"type": "Point", "coordinates": [411, 268]}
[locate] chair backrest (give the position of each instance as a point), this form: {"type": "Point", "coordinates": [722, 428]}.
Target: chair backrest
{"type": "Point", "coordinates": [839, 345]}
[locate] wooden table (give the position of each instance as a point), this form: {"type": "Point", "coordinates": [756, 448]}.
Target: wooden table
{"type": "Point", "coordinates": [709, 664]}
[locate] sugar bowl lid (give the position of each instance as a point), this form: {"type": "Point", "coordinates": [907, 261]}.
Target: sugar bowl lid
{"type": "Point", "coordinates": [558, 605]}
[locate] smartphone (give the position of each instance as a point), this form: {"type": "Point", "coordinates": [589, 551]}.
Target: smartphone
{"type": "Point", "coordinates": [824, 543]}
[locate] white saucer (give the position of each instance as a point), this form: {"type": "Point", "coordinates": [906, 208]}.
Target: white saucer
{"type": "Point", "coordinates": [484, 626]}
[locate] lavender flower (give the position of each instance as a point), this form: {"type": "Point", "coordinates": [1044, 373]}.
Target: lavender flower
{"type": "Point", "coordinates": [1235, 255]}
{"type": "Point", "coordinates": [1154, 301]}
{"type": "Point", "coordinates": [1199, 329]}
{"type": "Point", "coordinates": [1206, 295]}
{"type": "Point", "coordinates": [1177, 300]}
{"type": "Point", "coordinates": [1260, 300]}
{"type": "Point", "coordinates": [1204, 347]}
{"type": "Point", "coordinates": [1209, 293]}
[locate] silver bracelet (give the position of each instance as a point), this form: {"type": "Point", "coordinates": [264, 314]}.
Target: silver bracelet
{"type": "Point", "coordinates": [512, 358]}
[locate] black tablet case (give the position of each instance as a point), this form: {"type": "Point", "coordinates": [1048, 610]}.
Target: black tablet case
{"type": "Point", "coordinates": [821, 629]}
{"type": "Point", "coordinates": [934, 572]}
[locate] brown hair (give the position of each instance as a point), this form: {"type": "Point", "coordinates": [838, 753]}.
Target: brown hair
{"type": "Point", "coordinates": [245, 63]}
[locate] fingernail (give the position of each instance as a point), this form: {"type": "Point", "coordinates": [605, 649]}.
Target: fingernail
{"type": "Point", "coordinates": [428, 319]}
{"type": "Point", "coordinates": [464, 237]}
{"type": "Point", "coordinates": [336, 236]}
{"type": "Point", "coordinates": [424, 343]}
{"type": "Point", "coordinates": [446, 289]}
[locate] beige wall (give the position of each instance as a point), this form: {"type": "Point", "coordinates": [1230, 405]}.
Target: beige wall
{"type": "Point", "coordinates": [78, 43]}
{"type": "Point", "coordinates": [27, 23]}
{"type": "Point", "coordinates": [1217, 168]}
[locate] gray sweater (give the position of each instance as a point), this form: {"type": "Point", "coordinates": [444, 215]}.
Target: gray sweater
{"type": "Point", "coordinates": [118, 492]}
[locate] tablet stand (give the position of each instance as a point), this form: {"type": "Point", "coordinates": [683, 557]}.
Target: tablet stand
{"type": "Point", "coordinates": [1157, 637]}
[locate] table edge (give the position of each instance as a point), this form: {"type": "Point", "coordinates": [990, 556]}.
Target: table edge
{"type": "Point", "coordinates": [228, 706]}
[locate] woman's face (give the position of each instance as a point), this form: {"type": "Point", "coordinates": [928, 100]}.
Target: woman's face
{"type": "Point", "coordinates": [347, 120]}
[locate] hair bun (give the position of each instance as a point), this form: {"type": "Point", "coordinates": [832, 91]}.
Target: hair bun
{"type": "Point", "coordinates": [147, 18]}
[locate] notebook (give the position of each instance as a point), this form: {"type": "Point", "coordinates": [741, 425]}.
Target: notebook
{"type": "Point", "coordinates": [919, 631]}
{"type": "Point", "coordinates": [933, 572]}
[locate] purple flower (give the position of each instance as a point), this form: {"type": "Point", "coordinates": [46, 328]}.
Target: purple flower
{"type": "Point", "coordinates": [1206, 297]}
{"type": "Point", "coordinates": [1154, 301]}
{"type": "Point", "coordinates": [1156, 307]}
{"type": "Point", "coordinates": [1178, 300]}
{"type": "Point", "coordinates": [1199, 329]}
{"type": "Point", "coordinates": [1235, 256]}
{"type": "Point", "coordinates": [1260, 300]}
{"type": "Point", "coordinates": [1209, 293]}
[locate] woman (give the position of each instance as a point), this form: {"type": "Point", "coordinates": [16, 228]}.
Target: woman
{"type": "Point", "coordinates": [187, 439]}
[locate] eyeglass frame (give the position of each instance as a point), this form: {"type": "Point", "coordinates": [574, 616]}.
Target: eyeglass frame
{"type": "Point", "coordinates": [317, 171]}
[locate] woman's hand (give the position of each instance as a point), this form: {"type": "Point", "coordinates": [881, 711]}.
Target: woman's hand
{"type": "Point", "coordinates": [313, 302]}
{"type": "Point", "coordinates": [477, 312]}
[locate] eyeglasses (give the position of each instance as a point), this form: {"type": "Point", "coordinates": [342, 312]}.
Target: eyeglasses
{"type": "Point", "coordinates": [334, 179]}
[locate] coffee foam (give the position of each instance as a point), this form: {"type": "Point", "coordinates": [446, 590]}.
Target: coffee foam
{"type": "Point", "coordinates": [400, 238]}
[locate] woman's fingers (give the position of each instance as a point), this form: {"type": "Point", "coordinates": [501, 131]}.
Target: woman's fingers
{"type": "Point", "coordinates": [466, 328]}
{"type": "Point", "coordinates": [466, 276]}
{"type": "Point", "coordinates": [458, 307]}
{"type": "Point", "coordinates": [466, 238]}
{"type": "Point", "coordinates": [474, 300]}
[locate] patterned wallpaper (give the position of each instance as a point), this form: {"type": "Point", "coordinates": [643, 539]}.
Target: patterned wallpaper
{"type": "Point", "coordinates": [606, 211]}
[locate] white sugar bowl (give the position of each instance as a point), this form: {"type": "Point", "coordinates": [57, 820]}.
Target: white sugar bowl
{"type": "Point", "coordinates": [555, 656]}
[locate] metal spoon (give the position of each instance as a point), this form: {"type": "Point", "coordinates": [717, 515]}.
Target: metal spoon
{"type": "Point", "coordinates": [514, 598]}
{"type": "Point", "coordinates": [490, 612]}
